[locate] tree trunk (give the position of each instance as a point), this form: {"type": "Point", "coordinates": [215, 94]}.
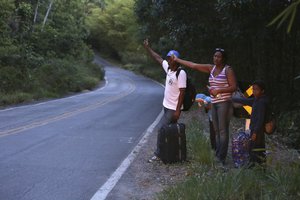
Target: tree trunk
{"type": "Point", "coordinates": [36, 11]}
{"type": "Point", "coordinates": [46, 16]}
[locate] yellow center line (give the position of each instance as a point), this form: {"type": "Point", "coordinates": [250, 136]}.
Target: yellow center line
{"type": "Point", "coordinates": [66, 115]}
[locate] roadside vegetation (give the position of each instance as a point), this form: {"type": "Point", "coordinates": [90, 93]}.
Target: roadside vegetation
{"type": "Point", "coordinates": [43, 50]}
{"type": "Point", "coordinates": [207, 180]}
{"type": "Point", "coordinates": [115, 32]}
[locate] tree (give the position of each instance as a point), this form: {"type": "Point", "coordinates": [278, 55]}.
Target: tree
{"type": "Point", "coordinates": [41, 36]}
{"type": "Point", "coordinates": [113, 28]}
{"type": "Point", "coordinates": [47, 13]}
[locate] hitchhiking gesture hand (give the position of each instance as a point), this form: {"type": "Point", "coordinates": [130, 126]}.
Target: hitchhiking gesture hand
{"type": "Point", "coordinates": [146, 43]}
{"type": "Point", "coordinates": [174, 58]}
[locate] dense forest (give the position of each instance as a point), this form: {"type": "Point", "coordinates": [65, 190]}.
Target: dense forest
{"type": "Point", "coordinates": [46, 45]}
{"type": "Point", "coordinates": [43, 49]}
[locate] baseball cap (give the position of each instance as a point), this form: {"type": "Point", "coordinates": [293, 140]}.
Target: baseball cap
{"type": "Point", "coordinates": [173, 52]}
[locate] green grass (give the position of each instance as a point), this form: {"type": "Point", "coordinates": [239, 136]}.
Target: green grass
{"type": "Point", "coordinates": [15, 98]}
{"type": "Point", "coordinates": [207, 181]}
{"type": "Point", "coordinates": [198, 144]}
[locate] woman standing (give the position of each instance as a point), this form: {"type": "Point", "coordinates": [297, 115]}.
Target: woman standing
{"type": "Point", "coordinates": [222, 83]}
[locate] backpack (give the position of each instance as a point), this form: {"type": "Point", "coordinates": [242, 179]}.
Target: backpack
{"type": "Point", "coordinates": [190, 92]}
{"type": "Point", "coordinates": [270, 122]}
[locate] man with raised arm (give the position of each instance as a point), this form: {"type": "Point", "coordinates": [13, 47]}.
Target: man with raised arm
{"type": "Point", "coordinates": [174, 91]}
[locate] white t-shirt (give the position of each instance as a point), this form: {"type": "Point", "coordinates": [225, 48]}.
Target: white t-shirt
{"type": "Point", "coordinates": [172, 86]}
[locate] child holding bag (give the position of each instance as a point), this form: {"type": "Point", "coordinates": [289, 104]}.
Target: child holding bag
{"type": "Point", "coordinates": [259, 105]}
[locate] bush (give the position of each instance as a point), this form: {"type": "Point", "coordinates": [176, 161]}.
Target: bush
{"type": "Point", "coordinates": [61, 76]}
{"type": "Point", "coordinates": [55, 76]}
{"type": "Point", "coordinates": [15, 98]}
{"type": "Point", "coordinates": [289, 127]}
{"type": "Point", "coordinates": [14, 79]}
{"type": "Point", "coordinates": [52, 79]}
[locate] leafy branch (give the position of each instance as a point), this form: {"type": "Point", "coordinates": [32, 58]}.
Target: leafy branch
{"type": "Point", "coordinates": [290, 11]}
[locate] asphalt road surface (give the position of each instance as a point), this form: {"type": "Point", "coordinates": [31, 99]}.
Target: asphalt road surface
{"type": "Point", "coordinates": [66, 149]}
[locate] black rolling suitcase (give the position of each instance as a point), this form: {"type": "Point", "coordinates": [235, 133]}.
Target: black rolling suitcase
{"type": "Point", "coordinates": [172, 143]}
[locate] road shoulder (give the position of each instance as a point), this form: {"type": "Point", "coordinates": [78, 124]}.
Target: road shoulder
{"type": "Point", "coordinates": [143, 180]}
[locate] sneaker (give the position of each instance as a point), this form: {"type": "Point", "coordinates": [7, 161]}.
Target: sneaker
{"type": "Point", "coordinates": [153, 159]}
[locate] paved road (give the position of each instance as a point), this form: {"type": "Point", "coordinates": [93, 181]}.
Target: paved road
{"type": "Point", "coordinates": [67, 148]}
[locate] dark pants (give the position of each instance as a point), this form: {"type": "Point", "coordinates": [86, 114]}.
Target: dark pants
{"type": "Point", "coordinates": [165, 120]}
{"type": "Point", "coordinates": [221, 114]}
{"type": "Point", "coordinates": [257, 150]}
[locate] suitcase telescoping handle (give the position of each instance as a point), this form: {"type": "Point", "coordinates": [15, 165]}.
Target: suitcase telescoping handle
{"type": "Point", "coordinates": [179, 141]}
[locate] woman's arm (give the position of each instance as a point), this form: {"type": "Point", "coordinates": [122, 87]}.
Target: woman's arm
{"type": "Point", "coordinates": [196, 66]}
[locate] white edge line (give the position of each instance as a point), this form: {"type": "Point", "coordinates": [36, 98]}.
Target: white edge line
{"type": "Point", "coordinates": [105, 189]}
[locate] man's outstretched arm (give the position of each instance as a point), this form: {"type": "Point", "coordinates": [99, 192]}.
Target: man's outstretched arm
{"type": "Point", "coordinates": [152, 53]}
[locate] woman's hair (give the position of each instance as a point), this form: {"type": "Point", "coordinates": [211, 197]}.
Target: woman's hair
{"type": "Point", "coordinates": [260, 84]}
{"type": "Point", "coordinates": [224, 55]}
